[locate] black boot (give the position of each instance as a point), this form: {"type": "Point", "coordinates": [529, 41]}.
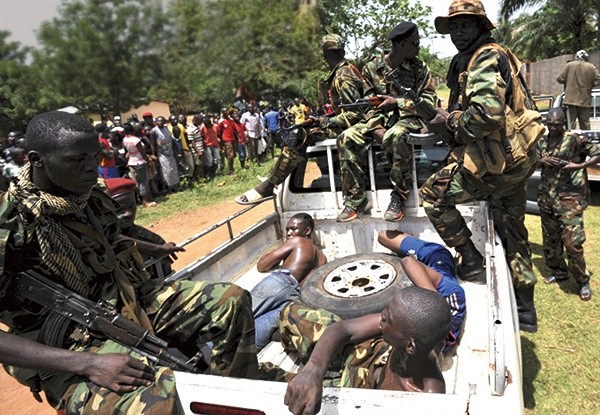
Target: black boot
{"type": "Point", "coordinates": [526, 308]}
{"type": "Point", "coordinates": [471, 267]}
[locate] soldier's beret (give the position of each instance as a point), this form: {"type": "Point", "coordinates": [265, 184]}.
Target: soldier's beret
{"type": "Point", "coordinates": [119, 186]}
{"type": "Point", "coordinates": [402, 31]}
{"type": "Point", "coordinates": [333, 42]}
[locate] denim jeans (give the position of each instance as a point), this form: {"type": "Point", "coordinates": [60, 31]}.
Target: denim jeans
{"type": "Point", "coordinates": [269, 297]}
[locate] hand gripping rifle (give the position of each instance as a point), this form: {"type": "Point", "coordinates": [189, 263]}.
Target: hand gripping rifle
{"type": "Point", "coordinates": [102, 318]}
{"type": "Point", "coordinates": [362, 103]}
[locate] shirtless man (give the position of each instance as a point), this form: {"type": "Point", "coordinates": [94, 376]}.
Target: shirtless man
{"type": "Point", "coordinates": [293, 260]}
{"type": "Point", "coordinates": [393, 350]}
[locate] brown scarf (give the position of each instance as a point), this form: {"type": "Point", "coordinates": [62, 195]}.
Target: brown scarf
{"type": "Point", "coordinates": [57, 251]}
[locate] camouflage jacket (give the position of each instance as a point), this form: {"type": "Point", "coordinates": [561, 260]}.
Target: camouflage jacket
{"type": "Point", "coordinates": [345, 86]}
{"type": "Point", "coordinates": [413, 74]}
{"type": "Point", "coordinates": [21, 252]}
{"type": "Point", "coordinates": [494, 121]}
{"type": "Point", "coordinates": [146, 235]}
{"type": "Point", "coordinates": [557, 184]}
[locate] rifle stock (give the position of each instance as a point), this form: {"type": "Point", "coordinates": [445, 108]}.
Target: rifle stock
{"type": "Point", "coordinates": [102, 318]}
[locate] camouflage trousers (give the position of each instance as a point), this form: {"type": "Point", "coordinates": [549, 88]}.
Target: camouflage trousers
{"type": "Point", "coordinates": [399, 155]}
{"type": "Point", "coordinates": [292, 156]}
{"type": "Point", "coordinates": [506, 193]}
{"type": "Point", "coordinates": [353, 149]}
{"type": "Point", "coordinates": [562, 230]}
{"type": "Point", "coordinates": [354, 366]}
{"type": "Point", "coordinates": [188, 315]}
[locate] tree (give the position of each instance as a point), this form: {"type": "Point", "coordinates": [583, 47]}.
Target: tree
{"type": "Point", "coordinates": [557, 27]}
{"type": "Point", "coordinates": [256, 48]}
{"type": "Point", "coordinates": [17, 103]}
{"type": "Point", "coordinates": [102, 55]}
{"type": "Point", "coordinates": [365, 23]}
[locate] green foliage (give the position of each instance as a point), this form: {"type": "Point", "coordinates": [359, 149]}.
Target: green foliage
{"type": "Point", "coordinates": [366, 23]}
{"type": "Point", "coordinates": [555, 28]}
{"type": "Point", "coordinates": [256, 49]}
{"type": "Point", "coordinates": [16, 91]}
{"type": "Point", "coordinates": [102, 55]}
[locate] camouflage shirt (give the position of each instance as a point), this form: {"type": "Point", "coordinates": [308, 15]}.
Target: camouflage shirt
{"type": "Point", "coordinates": [345, 86]}
{"type": "Point", "coordinates": [557, 184]}
{"type": "Point", "coordinates": [413, 74]}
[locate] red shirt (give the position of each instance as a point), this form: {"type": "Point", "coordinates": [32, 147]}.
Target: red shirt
{"type": "Point", "coordinates": [226, 130]}
{"type": "Point", "coordinates": [106, 162]}
{"type": "Point", "coordinates": [210, 135]}
{"type": "Point", "coordinates": [241, 132]}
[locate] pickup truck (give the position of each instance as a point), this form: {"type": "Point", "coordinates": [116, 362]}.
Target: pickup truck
{"type": "Point", "coordinates": [483, 375]}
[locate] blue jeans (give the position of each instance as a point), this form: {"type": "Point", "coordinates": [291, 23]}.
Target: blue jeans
{"type": "Point", "coordinates": [269, 297]}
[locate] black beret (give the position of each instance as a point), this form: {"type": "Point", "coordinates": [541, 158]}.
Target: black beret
{"type": "Point", "coordinates": [403, 31]}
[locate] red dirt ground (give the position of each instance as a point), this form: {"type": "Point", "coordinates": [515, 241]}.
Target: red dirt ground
{"type": "Point", "coordinates": [16, 399]}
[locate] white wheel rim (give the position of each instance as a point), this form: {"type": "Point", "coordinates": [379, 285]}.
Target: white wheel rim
{"type": "Point", "coordinates": [359, 278]}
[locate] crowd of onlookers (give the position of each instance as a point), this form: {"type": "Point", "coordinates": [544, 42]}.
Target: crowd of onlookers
{"type": "Point", "coordinates": [168, 154]}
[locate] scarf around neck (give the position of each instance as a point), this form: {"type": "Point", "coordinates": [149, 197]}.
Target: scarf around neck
{"type": "Point", "coordinates": [459, 64]}
{"type": "Point", "coordinates": [57, 252]}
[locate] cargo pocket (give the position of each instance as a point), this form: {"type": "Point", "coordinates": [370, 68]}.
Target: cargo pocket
{"type": "Point", "coordinates": [436, 186]}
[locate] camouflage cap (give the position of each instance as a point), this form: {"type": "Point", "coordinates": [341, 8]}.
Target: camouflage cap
{"type": "Point", "coordinates": [462, 8]}
{"type": "Point", "coordinates": [333, 42]}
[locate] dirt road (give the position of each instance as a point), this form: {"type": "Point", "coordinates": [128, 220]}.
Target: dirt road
{"type": "Point", "coordinates": [16, 399]}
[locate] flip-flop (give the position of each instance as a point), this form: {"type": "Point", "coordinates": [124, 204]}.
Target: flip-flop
{"type": "Point", "coordinates": [252, 198]}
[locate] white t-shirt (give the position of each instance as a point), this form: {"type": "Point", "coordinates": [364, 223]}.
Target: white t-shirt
{"type": "Point", "coordinates": [130, 143]}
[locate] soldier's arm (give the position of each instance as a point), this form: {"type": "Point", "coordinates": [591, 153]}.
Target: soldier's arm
{"type": "Point", "coordinates": [117, 372]}
{"type": "Point", "coordinates": [486, 93]}
{"type": "Point", "coordinates": [349, 88]}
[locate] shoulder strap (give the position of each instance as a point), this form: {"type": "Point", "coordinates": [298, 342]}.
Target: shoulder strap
{"type": "Point", "coordinates": [522, 96]}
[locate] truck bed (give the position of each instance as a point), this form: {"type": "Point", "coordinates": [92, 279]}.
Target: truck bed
{"type": "Point", "coordinates": [482, 377]}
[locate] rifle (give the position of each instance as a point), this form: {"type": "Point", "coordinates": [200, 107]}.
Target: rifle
{"type": "Point", "coordinates": [427, 111]}
{"type": "Point", "coordinates": [103, 318]}
{"type": "Point", "coordinates": [362, 103]}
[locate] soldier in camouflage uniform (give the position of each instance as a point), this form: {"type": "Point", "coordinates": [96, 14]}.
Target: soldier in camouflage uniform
{"type": "Point", "coordinates": [390, 123]}
{"type": "Point", "coordinates": [151, 245]}
{"type": "Point", "coordinates": [55, 219]}
{"type": "Point", "coordinates": [495, 131]}
{"type": "Point", "coordinates": [563, 195]}
{"type": "Point", "coordinates": [345, 85]}
{"type": "Point", "coordinates": [390, 350]}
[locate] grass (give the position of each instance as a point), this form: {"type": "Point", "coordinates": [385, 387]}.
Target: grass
{"type": "Point", "coordinates": [223, 187]}
{"type": "Point", "coordinates": [561, 361]}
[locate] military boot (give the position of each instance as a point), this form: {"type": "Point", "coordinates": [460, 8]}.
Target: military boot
{"type": "Point", "coordinates": [526, 308]}
{"type": "Point", "coordinates": [471, 267]}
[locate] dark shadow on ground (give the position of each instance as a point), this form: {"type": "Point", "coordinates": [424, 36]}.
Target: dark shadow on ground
{"type": "Point", "coordinates": [531, 368]}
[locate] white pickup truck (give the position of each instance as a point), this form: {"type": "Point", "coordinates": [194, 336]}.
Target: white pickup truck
{"type": "Point", "coordinates": [483, 377]}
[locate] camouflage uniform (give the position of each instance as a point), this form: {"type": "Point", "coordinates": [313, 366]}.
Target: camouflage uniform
{"type": "Point", "coordinates": [345, 85]}
{"type": "Point", "coordinates": [186, 314]}
{"type": "Point", "coordinates": [476, 171]}
{"type": "Point", "coordinates": [355, 366]}
{"type": "Point", "coordinates": [353, 143]}
{"type": "Point", "coordinates": [562, 198]}
{"type": "Point", "coordinates": [162, 267]}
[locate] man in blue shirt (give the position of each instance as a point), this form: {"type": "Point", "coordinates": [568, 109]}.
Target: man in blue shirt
{"type": "Point", "coordinates": [272, 122]}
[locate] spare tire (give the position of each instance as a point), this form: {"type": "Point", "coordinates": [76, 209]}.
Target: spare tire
{"type": "Point", "coordinates": [355, 285]}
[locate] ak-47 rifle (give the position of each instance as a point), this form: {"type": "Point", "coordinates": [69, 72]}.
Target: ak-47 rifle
{"type": "Point", "coordinates": [102, 318]}
{"type": "Point", "coordinates": [362, 103]}
{"type": "Point", "coordinates": [422, 107]}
